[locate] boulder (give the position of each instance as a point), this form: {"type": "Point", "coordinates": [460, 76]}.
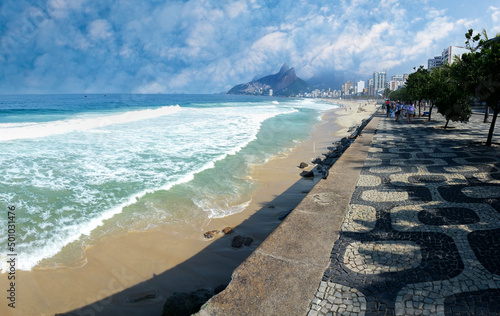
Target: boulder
{"type": "Point", "coordinates": [330, 161]}
{"type": "Point", "coordinates": [211, 234]}
{"type": "Point", "coordinates": [185, 304]}
{"type": "Point", "coordinates": [247, 241]}
{"type": "Point", "coordinates": [317, 160]}
{"type": "Point", "coordinates": [345, 141]}
{"type": "Point", "coordinates": [307, 174]}
{"type": "Point", "coordinates": [227, 230]}
{"type": "Point", "coordinates": [325, 172]}
{"type": "Point", "coordinates": [239, 241]}
{"type": "Point", "coordinates": [303, 165]}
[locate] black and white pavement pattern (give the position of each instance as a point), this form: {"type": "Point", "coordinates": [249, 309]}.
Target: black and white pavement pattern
{"type": "Point", "coordinates": [421, 235]}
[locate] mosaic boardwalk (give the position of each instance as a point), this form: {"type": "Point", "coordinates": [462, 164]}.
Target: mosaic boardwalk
{"type": "Point", "coordinates": [422, 232]}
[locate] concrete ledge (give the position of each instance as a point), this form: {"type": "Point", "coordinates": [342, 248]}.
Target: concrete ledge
{"type": "Point", "coordinates": [282, 275]}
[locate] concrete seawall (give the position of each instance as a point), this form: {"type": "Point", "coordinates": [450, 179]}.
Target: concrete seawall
{"type": "Point", "coordinates": [282, 275]}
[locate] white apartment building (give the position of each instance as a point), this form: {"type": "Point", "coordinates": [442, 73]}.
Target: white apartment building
{"type": "Point", "coordinates": [360, 87]}
{"type": "Point", "coordinates": [397, 81]}
{"type": "Point", "coordinates": [448, 56]}
{"type": "Point", "coordinates": [379, 80]}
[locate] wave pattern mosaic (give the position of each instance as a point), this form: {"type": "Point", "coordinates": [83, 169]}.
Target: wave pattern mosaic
{"type": "Point", "coordinates": [422, 232]}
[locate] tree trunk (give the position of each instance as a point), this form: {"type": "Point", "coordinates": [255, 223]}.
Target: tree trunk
{"type": "Point", "coordinates": [492, 128]}
{"type": "Point", "coordinates": [419, 112]}
{"type": "Point", "coordinates": [446, 125]}
{"type": "Point", "coordinates": [486, 114]}
{"type": "Point", "coordinates": [430, 111]}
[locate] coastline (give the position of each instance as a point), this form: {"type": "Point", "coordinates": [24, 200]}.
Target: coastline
{"type": "Point", "coordinates": [158, 263]}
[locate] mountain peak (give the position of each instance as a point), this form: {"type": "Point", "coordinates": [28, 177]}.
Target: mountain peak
{"type": "Point", "coordinates": [284, 69]}
{"type": "Point", "coordinates": [283, 83]}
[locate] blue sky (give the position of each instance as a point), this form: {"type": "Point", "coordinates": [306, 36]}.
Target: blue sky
{"type": "Point", "coordinates": [207, 46]}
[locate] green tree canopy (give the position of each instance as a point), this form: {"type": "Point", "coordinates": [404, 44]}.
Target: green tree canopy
{"type": "Point", "coordinates": [481, 75]}
{"type": "Point", "coordinates": [399, 95]}
{"type": "Point", "coordinates": [417, 85]}
{"type": "Point", "coordinates": [450, 97]}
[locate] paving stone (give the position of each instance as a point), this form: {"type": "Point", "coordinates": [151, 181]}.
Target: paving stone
{"type": "Point", "coordinates": [422, 227]}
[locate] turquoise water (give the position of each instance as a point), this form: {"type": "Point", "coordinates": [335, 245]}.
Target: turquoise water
{"type": "Point", "coordinates": [78, 168]}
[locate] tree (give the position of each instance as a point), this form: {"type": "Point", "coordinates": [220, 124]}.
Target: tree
{"type": "Point", "coordinates": [451, 99]}
{"type": "Point", "coordinates": [399, 95]}
{"type": "Point", "coordinates": [483, 78]}
{"type": "Point", "coordinates": [436, 81]}
{"type": "Point", "coordinates": [417, 86]}
{"type": "Point", "coordinates": [386, 93]}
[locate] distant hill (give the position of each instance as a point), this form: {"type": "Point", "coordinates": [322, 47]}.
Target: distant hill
{"type": "Point", "coordinates": [284, 83]}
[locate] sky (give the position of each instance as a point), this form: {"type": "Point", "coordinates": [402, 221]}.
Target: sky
{"type": "Point", "coordinates": [208, 46]}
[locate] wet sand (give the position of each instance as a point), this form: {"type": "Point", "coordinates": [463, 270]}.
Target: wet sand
{"type": "Point", "coordinates": [147, 267]}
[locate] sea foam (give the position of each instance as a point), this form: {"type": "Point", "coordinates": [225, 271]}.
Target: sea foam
{"type": "Point", "coordinates": [72, 183]}
{"type": "Point", "coordinates": [12, 131]}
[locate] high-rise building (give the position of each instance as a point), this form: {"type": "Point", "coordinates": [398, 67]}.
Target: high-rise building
{"type": "Point", "coordinates": [348, 88]}
{"type": "Point", "coordinates": [447, 56]}
{"type": "Point", "coordinates": [360, 87]}
{"type": "Point", "coordinates": [434, 62]}
{"type": "Point", "coordinates": [450, 52]}
{"type": "Point", "coordinates": [397, 81]}
{"type": "Point", "coordinates": [370, 86]}
{"type": "Point", "coordinates": [397, 78]}
{"type": "Point", "coordinates": [379, 79]}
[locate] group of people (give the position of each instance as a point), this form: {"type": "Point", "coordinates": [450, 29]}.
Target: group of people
{"type": "Point", "coordinates": [398, 109]}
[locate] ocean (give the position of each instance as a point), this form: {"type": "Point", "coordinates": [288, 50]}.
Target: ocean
{"type": "Point", "coordinates": [77, 168]}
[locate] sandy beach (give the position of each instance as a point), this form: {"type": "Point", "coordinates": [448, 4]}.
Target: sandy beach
{"type": "Point", "coordinates": [134, 273]}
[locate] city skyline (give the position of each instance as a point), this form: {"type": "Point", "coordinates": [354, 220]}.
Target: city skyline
{"type": "Point", "coordinates": [379, 82]}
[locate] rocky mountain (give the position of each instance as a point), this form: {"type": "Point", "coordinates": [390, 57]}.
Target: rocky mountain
{"type": "Point", "coordinates": [284, 83]}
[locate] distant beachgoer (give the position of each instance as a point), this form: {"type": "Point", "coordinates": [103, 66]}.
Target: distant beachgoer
{"type": "Point", "coordinates": [388, 110]}
{"type": "Point", "coordinates": [398, 111]}
{"type": "Point", "coordinates": [411, 113]}
{"type": "Point", "coordinates": [404, 111]}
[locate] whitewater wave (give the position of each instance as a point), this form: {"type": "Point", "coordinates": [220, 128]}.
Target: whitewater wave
{"type": "Point", "coordinates": [236, 128]}
{"type": "Point", "coordinates": [314, 104]}
{"type": "Point", "coordinates": [13, 131]}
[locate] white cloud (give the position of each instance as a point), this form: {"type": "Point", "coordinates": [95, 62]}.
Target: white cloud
{"type": "Point", "coordinates": [433, 13]}
{"type": "Point", "coordinates": [236, 8]}
{"type": "Point", "coordinates": [271, 42]}
{"type": "Point", "coordinates": [202, 45]}
{"type": "Point", "coordinates": [126, 52]}
{"type": "Point", "coordinates": [150, 88]}
{"type": "Point", "coordinates": [99, 30]}
{"type": "Point", "coordinates": [495, 17]}
{"type": "Point", "coordinates": [181, 80]}
{"type": "Point", "coordinates": [437, 29]}
{"type": "Point", "coordinates": [63, 8]}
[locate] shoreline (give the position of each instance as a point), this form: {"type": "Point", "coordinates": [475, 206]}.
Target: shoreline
{"type": "Point", "coordinates": [154, 264]}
